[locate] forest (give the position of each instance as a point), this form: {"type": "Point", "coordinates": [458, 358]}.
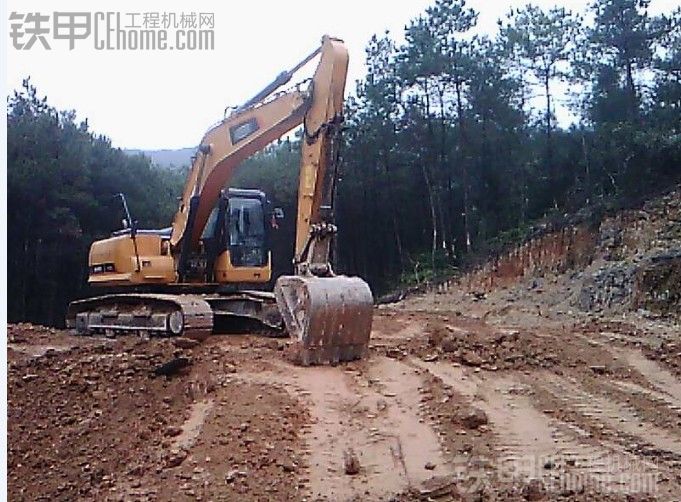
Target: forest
{"type": "Point", "coordinates": [452, 149]}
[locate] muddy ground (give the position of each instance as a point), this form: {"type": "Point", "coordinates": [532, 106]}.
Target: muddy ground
{"type": "Point", "coordinates": [448, 406]}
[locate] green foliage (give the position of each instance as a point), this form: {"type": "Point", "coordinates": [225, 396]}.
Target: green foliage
{"type": "Point", "coordinates": [421, 271]}
{"type": "Point", "coordinates": [61, 179]}
{"type": "Point", "coordinates": [665, 108]}
{"type": "Point", "coordinates": [621, 50]}
{"type": "Point", "coordinates": [444, 159]}
{"type": "Point", "coordinates": [543, 40]}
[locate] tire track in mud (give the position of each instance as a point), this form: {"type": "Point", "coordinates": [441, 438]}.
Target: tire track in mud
{"type": "Point", "coordinates": [374, 413]}
{"type": "Point", "coordinates": [620, 418]}
{"type": "Point", "coordinates": [534, 445]}
{"type": "Point", "coordinates": [653, 388]}
{"type": "Point", "coordinates": [657, 376]}
{"type": "Point", "coordinates": [663, 385]}
{"type": "Point", "coordinates": [657, 397]}
{"type": "Point", "coordinates": [192, 426]}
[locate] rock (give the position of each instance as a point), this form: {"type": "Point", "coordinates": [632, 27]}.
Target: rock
{"type": "Point", "coordinates": [534, 490]}
{"type": "Point", "coordinates": [449, 345]}
{"type": "Point", "coordinates": [271, 344]}
{"type": "Point", "coordinates": [185, 343]}
{"type": "Point", "coordinates": [471, 358]}
{"type": "Point", "coordinates": [288, 467]}
{"type": "Point", "coordinates": [176, 458]}
{"type": "Point", "coordinates": [173, 430]}
{"type": "Point", "coordinates": [475, 418]}
{"type": "Point", "coordinates": [429, 466]}
{"type": "Point", "coordinates": [172, 367]}
{"type": "Point", "coordinates": [231, 476]}
{"type": "Point", "coordinates": [350, 462]}
{"type": "Point", "coordinates": [438, 487]}
{"type": "Point", "coordinates": [598, 369]}
{"type": "Point", "coordinates": [99, 394]}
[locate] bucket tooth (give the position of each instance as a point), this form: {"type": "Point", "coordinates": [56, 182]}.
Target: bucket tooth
{"type": "Point", "coordinates": [328, 317]}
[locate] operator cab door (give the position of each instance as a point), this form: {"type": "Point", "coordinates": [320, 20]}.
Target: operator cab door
{"type": "Point", "coordinates": [241, 232]}
{"type": "Point", "coordinates": [247, 232]}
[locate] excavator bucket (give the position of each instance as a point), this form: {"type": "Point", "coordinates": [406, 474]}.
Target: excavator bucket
{"type": "Point", "coordinates": [329, 317]}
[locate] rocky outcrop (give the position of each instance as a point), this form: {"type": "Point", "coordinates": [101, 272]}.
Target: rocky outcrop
{"type": "Point", "coordinates": [628, 261]}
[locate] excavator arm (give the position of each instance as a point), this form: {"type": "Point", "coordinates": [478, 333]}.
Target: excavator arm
{"type": "Point", "coordinates": [329, 315]}
{"type": "Point", "coordinates": [221, 150]}
{"type": "Point", "coordinates": [253, 126]}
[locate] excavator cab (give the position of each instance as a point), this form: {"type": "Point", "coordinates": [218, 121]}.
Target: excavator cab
{"type": "Point", "coordinates": [236, 238]}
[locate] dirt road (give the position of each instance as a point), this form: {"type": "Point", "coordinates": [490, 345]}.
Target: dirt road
{"type": "Point", "coordinates": [446, 407]}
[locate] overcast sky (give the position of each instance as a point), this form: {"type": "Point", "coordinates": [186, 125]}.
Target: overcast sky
{"type": "Point", "coordinates": [167, 99]}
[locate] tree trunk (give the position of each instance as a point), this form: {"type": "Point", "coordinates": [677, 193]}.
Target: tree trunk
{"type": "Point", "coordinates": [633, 98]}
{"type": "Point", "coordinates": [433, 213]}
{"type": "Point", "coordinates": [428, 180]}
{"type": "Point", "coordinates": [398, 242]}
{"type": "Point", "coordinates": [463, 143]}
{"type": "Point", "coordinates": [549, 143]}
{"type": "Point", "coordinates": [587, 173]}
{"type": "Point", "coordinates": [553, 175]}
{"type": "Point", "coordinates": [445, 214]}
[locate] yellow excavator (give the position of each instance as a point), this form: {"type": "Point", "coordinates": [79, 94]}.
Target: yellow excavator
{"type": "Point", "coordinates": [211, 264]}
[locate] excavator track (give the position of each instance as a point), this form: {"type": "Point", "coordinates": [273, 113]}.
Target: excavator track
{"type": "Point", "coordinates": [257, 308]}
{"type": "Point", "coordinates": [190, 316]}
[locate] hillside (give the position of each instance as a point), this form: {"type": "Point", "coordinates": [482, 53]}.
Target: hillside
{"type": "Point", "coordinates": [625, 266]}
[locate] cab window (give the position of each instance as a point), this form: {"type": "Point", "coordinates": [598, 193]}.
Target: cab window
{"type": "Point", "coordinates": [247, 233]}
